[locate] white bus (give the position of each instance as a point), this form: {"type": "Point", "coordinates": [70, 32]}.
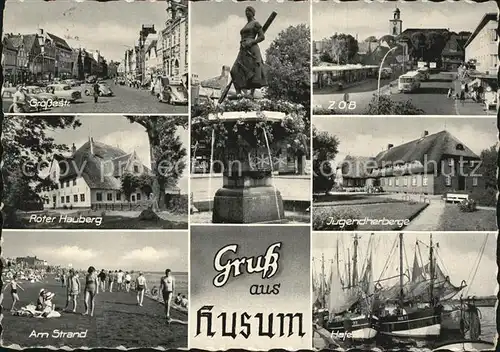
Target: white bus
{"type": "Point", "coordinates": [409, 82]}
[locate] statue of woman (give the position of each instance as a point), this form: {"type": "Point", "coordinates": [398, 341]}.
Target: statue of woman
{"type": "Point", "coordinates": [249, 71]}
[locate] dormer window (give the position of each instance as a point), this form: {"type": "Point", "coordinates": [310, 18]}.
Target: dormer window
{"type": "Point", "coordinates": [460, 147]}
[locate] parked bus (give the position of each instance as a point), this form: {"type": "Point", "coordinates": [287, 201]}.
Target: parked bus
{"type": "Point", "coordinates": [409, 82]}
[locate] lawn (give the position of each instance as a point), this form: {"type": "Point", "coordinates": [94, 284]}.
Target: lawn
{"type": "Point", "coordinates": [351, 199]}
{"type": "Point", "coordinates": [380, 211]}
{"type": "Point", "coordinates": [453, 219]}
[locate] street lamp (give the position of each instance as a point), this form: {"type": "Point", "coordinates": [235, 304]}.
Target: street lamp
{"type": "Point", "coordinates": [380, 75]}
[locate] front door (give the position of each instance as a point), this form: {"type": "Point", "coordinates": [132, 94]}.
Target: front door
{"type": "Point", "coordinates": [461, 183]}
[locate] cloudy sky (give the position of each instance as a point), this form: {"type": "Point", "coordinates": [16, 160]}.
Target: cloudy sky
{"type": "Point", "coordinates": [117, 131]}
{"type": "Point", "coordinates": [147, 251]}
{"type": "Point", "coordinates": [456, 255]}
{"type": "Point", "coordinates": [215, 30]}
{"type": "Point", "coordinates": [111, 27]}
{"type": "Point", "coordinates": [367, 136]}
{"type": "Point", "coordinates": [364, 20]}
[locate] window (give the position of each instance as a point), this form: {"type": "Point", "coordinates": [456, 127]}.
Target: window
{"type": "Point", "coordinates": [62, 184]}
{"type": "Point", "coordinates": [390, 181]}
{"type": "Point", "coordinates": [118, 196]}
{"type": "Point", "coordinates": [138, 196]}
{"type": "Point", "coordinates": [98, 196]}
{"type": "Point", "coordinates": [67, 183]}
{"type": "Point", "coordinates": [109, 197]}
{"type": "Point", "coordinates": [425, 181]}
{"type": "Point", "coordinates": [414, 181]}
{"type": "Point", "coordinates": [474, 181]}
{"type": "Point", "coordinates": [67, 199]}
{"type": "Point", "coordinates": [75, 198]}
{"type": "Point", "coordinates": [136, 168]}
{"type": "Point", "coordinates": [447, 180]}
{"type": "Point", "coordinates": [460, 147]}
{"type": "Point", "coordinates": [397, 182]}
{"type": "Point", "coordinates": [405, 181]}
{"type": "Point", "coordinates": [62, 199]}
{"type": "Point", "coordinates": [82, 197]}
{"type": "Point", "coordinates": [133, 197]}
{"type": "Point", "coordinates": [74, 182]}
{"type": "Point", "coordinates": [493, 35]}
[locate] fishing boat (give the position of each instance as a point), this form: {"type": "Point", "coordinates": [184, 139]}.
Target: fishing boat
{"type": "Point", "coordinates": [347, 302]}
{"type": "Point", "coordinates": [414, 309]}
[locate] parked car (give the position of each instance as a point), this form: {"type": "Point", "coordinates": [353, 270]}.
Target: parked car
{"type": "Point", "coordinates": [170, 91]}
{"type": "Point", "coordinates": [8, 101]}
{"type": "Point", "coordinates": [40, 93]}
{"type": "Point", "coordinates": [64, 91]}
{"type": "Point", "coordinates": [91, 79]}
{"type": "Point", "coordinates": [104, 90]}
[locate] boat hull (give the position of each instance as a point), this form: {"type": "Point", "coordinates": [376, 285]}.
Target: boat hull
{"type": "Point", "coordinates": [358, 328]}
{"type": "Point", "coordinates": [421, 324]}
{"type": "Point", "coordinates": [466, 345]}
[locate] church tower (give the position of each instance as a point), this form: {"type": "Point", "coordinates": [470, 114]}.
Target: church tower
{"type": "Point", "coordinates": [395, 24]}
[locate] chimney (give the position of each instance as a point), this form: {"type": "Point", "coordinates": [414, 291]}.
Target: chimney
{"type": "Point", "coordinates": [389, 146]}
{"type": "Point", "coordinates": [91, 141]}
{"type": "Point", "coordinates": [73, 149]}
{"type": "Point", "coordinates": [425, 134]}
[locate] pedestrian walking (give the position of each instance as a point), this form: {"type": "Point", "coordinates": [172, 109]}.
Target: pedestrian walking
{"type": "Point", "coordinates": [462, 97]}
{"type": "Point", "coordinates": [96, 92]}
{"type": "Point", "coordinates": [90, 291]}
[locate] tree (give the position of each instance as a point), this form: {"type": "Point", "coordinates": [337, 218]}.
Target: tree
{"type": "Point", "coordinates": [326, 57]}
{"type": "Point", "coordinates": [325, 148]}
{"type": "Point", "coordinates": [487, 171]}
{"type": "Point", "coordinates": [419, 44]}
{"type": "Point", "coordinates": [130, 183]}
{"type": "Point", "coordinates": [27, 150]}
{"type": "Point", "coordinates": [343, 47]}
{"type": "Point", "coordinates": [288, 59]}
{"type": "Point", "coordinates": [166, 149]}
{"type": "Point", "coordinates": [371, 39]}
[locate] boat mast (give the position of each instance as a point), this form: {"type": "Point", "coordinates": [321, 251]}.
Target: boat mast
{"type": "Point", "coordinates": [349, 282]}
{"type": "Point", "coordinates": [401, 272]}
{"type": "Point", "coordinates": [323, 279]}
{"type": "Point", "coordinates": [431, 267]}
{"type": "Point", "coordinates": [355, 262]}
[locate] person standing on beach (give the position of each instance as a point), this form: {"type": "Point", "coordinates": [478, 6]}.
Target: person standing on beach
{"type": "Point", "coordinates": [167, 288]}
{"type": "Point", "coordinates": [90, 291]}
{"type": "Point", "coordinates": [128, 279]}
{"type": "Point", "coordinates": [102, 280]}
{"type": "Point", "coordinates": [119, 280]}
{"type": "Point", "coordinates": [141, 286]}
{"type": "Point", "coordinates": [73, 290]}
{"type": "Point", "coordinates": [14, 285]}
{"type": "Point", "coordinates": [110, 281]}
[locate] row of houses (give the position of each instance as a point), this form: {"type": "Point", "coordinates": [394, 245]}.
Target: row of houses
{"type": "Point", "coordinates": [45, 56]}
{"type": "Point", "coordinates": [163, 52]}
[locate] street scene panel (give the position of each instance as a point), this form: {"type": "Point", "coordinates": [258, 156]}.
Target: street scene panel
{"type": "Point", "coordinates": [404, 290]}
{"type": "Point", "coordinates": [412, 58]}
{"type": "Point", "coordinates": [95, 289]}
{"type": "Point", "coordinates": [250, 121]}
{"type": "Point", "coordinates": [95, 57]}
{"type": "Point", "coordinates": [394, 173]}
{"type": "Point", "coordinates": [96, 172]}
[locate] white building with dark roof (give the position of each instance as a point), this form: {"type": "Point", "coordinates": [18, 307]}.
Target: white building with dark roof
{"type": "Point", "coordinates": [92, 176]}
{"type": "Point", "coordinates": [482, 46]}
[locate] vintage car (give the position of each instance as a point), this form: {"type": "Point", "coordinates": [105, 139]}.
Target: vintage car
{"type": "Point", "coordinates": [104, 90]}
{"type": "Point", "coordinates": [8, 101]}
{"type": "Point", "coordinates": [170, 91]}
{"type": "Point", "coordinates": [40, 93]}
{"type": "Point", "coordinates": [64, 91]}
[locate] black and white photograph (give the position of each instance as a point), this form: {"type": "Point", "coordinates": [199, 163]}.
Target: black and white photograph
{"type": "Point", "coordinates": [95, 289]}
{"type": "Point", "coordinates": [407, 290]}
{"type": "Point", "coordinates": [250, 112]}
{"type": "Point", "coordinates": [394, 173]}
{"type": "Point", "coordinates": [95, 172]}
{"type": "Point", "coordinates": [250, 287]}
{"type": "Point", "coordinates": [95, 57]}
{"type": "Point", "coordinates": [405, 58]}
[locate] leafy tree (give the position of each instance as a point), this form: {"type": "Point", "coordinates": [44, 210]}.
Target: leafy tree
{"type": "Point", "coordinates": [325, 148]}
{"type": "Point", "coordinates": [487, 195]}
{"type": "Point", "coordinates": [326, 57]}
{"type": "Point", "coordinates": [27, 150]}
{"type": "Point", "coordinates": [419, 45]}
{"type": "Point", "coordinates": [130, 183]}
{"type": "Point", "coordinates": [343, 47]}
{"type": "Point", "coordinates": [387, 106]}
{"type": "Point", "coordinates": [371, 39]}
{"type": "Point", "coordinates": [167, 151]}
{"type": "Point", "coordinates": [145, 183]}
{"type": "Point", "coordinates": [288, 59]}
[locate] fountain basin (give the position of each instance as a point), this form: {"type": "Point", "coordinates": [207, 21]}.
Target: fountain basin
{"type": "Point", "coordinates": [249, 116]}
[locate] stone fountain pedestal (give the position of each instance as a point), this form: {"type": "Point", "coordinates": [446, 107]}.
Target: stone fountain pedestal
{"type": "Point", "coordinates": [248, 195]}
